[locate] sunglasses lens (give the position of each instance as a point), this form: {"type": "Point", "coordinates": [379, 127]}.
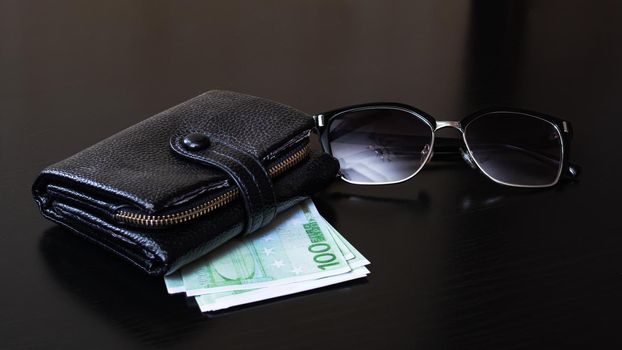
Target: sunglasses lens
{"type": "Point", "coordinates": [515, 148]}
{"type": "Point", "coordinates": [379, 145]}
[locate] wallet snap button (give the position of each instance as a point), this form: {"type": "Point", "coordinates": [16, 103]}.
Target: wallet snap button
{"type": "Point", "coordinates": [195, 141]}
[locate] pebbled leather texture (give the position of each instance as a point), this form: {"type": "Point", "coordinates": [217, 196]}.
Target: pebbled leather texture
{"type": "Point", "coordinates": [147, 169]}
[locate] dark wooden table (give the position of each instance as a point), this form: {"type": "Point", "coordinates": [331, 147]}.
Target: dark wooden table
{"type": "Point", "coordinates": [457, 261]}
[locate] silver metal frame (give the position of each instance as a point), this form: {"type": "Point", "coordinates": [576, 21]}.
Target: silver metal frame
{"type": "Point", "coordinates": [561, 140]}
{"type": "Point", "coordinates": [456, 125]}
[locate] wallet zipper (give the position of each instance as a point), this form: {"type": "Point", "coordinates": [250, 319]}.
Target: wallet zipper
{"type": "Point", "coordinates": [147, 220]}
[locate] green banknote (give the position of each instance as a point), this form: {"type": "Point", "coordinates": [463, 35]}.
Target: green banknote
{"type": "Point", "coordinates": [355, 259]}
{"type": "Point", "coordinates": [218, 301]}
{"type": "Point", "coordinates": [297, 247]}
{"type": "Point", "coordinates": [175, 283]}
{"type": "Point", "coordinates": [222, 300]}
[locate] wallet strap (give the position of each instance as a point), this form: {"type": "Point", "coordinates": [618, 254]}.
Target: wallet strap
{"type": "Point", "coordinates": [248, 173]}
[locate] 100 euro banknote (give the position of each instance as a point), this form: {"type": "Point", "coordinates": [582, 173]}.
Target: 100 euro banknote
{"type": "Point", "coordinates": [219, 300]}
{"type": "Point", "coordinates": [223, 300]}
{"type": "Point", "coordinates": [296, 247]}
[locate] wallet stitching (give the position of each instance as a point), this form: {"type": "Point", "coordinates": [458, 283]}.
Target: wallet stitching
{"type": "Point", "coordinates": [263, 170]}
{"type": "Point", "coordinates": [245, 190]}
{"type": "Point", "coordinates": [80, 179]}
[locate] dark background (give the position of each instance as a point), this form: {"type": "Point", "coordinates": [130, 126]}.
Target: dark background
{"type": "Point", "coordinates": [457, 261]}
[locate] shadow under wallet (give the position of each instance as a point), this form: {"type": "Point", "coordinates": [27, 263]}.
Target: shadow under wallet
{"type": "Point", "coordinates": [131, 299]}
{"type": "Point", "coordinates": [124, 296]}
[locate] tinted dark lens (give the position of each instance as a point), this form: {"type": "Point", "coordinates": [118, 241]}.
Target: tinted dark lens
{"type": "Point", "coordinates": [379, 145]}
{"type": "Point", "coordinates": [516, 148]}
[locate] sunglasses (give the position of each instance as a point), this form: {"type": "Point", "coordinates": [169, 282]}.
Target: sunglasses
{"type": "Point", "coordinates": [388, 143]}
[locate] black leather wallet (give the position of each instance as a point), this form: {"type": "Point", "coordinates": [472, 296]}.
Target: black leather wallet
{"type": "Point", "coordinates": [175, 186]}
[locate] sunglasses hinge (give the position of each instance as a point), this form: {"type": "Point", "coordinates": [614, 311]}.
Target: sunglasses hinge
{"type": "Point", "coordinates": [319, 119]}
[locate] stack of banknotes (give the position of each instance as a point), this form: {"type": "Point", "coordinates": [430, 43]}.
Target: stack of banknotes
{"type": "Point", "coordinates": [299, 251]}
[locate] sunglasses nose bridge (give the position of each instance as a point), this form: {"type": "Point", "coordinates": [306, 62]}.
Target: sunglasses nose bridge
{"type": "Point", "coordinates": [448, 124]}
